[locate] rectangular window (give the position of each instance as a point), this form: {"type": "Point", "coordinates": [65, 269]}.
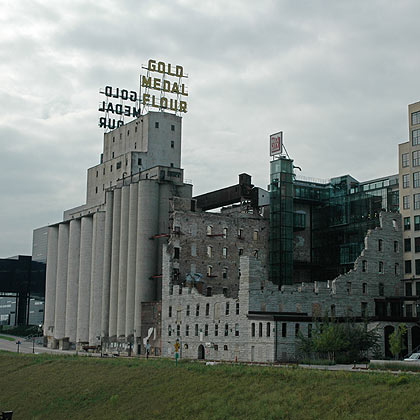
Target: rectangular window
{"type": "Point", "coordinates": [364, 288]}
{"type": "Point", "coordinates": [408, 289]}
{"type": "Point", "coordinates": [176, 253]}
{"type": "Point", "coordinates": [260, 329]}
{"type": "Point", "coordinates": [349, 287]}
{"type": "Point", "coordinates": [407, 223]}
{"type": "Point", "coordinates": [237, 308]}
{"type": "Point", "coordinates": [225, 252]}
{"type": "Point", "coordinates": [309, 330]}
{"type": "Point", "coordinates": [225, 232]}
{"type": "Point", "coordinates": [380, 267]}
{"type": "Point", "coordinates": [156, 124]}
{"type": "Point", "coordinates": [364, 309]}
{"type": "Point", "coordinates": [406, 202]}
{"type": "Point", "coordinates": [416, 201]}
{"type": "Point", "coordinates": [187, 330]}
{"type": "Point", "coordinates": [226, 330]}
{"type": "Point", "coordinates": [206, 330]}
{"type": "Point", "coordinates": [406, 180]}
{"type": "Point", "coordinates": [396, 247]}
{"type": "Point", "coordinates": [236, 330]}
{"type": "Point", "coordinates": [404, 160]}
{"type": "Point", "coordinates": [416, 222]}
{"type": "Point", "coordinates": [196, 330]}
{"type": "Point", "coordinates": [417, 262]}
{"type": "Point", "coordinates": [380, 242]}
{"type": "Point", "coordinates": [225, 272]}
{"type": "Point", "coordinates": [178, 330]}
{"type": "Point", "coordinates": [255, 235]}
{"type": "Point", "coordinates": [409, 310]}
{"type": "Point", "coordinates": [240, 251]}
{"type": "Point", "coordinates": [253, 329]}
{"type": "Point", "coordinates": [407, 245]}
{"type": "Point", "coordinates": [172, 144]}
{"type": "Point", "coordinates": [297, 327]}
{"type": "Point", "coordinates": [188, 310]}
{"type": "Point", "coordinates": [193, 250]}
{"type": "Point", "coordinates": [197, 310]}
{"type": "Point", "coordinates": [240, 233]}
{"type": "Point", "coordinates": [268, 330]}
{"type": "Point", "coordinates": [172, 127]}
{"type": "Point", "coordinates": [209, 251]}
{"type": "Point", "coordinates": [170, 311]}
{"type": "Point", "coordinates": [416, 179]}
{"type": "Point", "coordinates": [139, 161]}
{"type": "Point", "coordinates": [216, 330]}
{"type": "Point", "coordinates": [284, 329]}
{"type": "Point", "coordinates": [364, 266]}
{"type": "Point", "coordinates": [418, 288]}
{"type": "Point", "coordinates": [381, 290]}
{"type": "Point", "coordinates": [416, 244]}
{"type": "Point", "coordinates": [227, 308]}
{"type": "Point", "coordinates": [416, 158]}
{"type": "Point", "coordinates": [415, 118]}
{"type": "Point", "coordinates": [416, 137]}
{"type": "Point", "coordinates": [407, 267]}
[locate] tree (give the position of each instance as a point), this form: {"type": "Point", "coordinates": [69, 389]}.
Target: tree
{"type": "Point", "coordinates": [397, 340]}
{"type": "Point", "coordinates": [348, 341]}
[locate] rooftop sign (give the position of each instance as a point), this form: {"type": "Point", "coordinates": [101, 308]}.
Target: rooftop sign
{"type": "Point", "coordinates": [276, 143]}
{"type": "Point", "coordinates": [167, 79]}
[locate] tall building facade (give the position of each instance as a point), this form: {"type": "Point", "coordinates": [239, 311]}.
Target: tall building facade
{"type": "Point", "coordinates": [143, 260]}
{"type": "Point", "coordinates": [104, 259]}
{"type": "Point", "coordinates": [409, 174]}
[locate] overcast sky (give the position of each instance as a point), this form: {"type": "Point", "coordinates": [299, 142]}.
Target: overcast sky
{"type": "Point", "coordinates": [335, 76]}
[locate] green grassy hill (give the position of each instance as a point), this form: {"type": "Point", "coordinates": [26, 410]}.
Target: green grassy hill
{"type": "Point", "coordinates": [65, 387]}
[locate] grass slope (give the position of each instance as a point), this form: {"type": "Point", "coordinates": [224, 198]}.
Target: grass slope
{"type": "Point", "coordinates": [66, 387]}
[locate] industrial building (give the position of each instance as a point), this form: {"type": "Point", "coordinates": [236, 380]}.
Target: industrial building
{"type": "Point", "coordinates": [22, 291]}
{"type": "Point", "coordinates": [144, 260]}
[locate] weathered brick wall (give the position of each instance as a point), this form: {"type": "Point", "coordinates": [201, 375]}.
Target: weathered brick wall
{"type": "Point", "coordinates": [193, 242]}
{"type": "Point", "coordinates": [296, 304]}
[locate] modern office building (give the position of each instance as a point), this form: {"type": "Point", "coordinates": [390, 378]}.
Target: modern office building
{"type": "Point", "coordinates": [409, 173]}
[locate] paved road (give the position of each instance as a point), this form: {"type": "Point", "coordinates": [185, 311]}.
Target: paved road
{"type": "Point", "coordinates": [27, 346]}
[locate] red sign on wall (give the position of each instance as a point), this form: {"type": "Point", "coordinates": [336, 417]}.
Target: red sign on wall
{"type": "Point", "coordinates": [276, 143]}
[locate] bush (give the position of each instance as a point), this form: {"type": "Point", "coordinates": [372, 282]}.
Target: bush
{"type": "Point", "coordinates": [341, 342]}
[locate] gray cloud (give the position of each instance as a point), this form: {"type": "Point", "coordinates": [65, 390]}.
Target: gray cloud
{"type": "Point", "coordinates": [335, 76]}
